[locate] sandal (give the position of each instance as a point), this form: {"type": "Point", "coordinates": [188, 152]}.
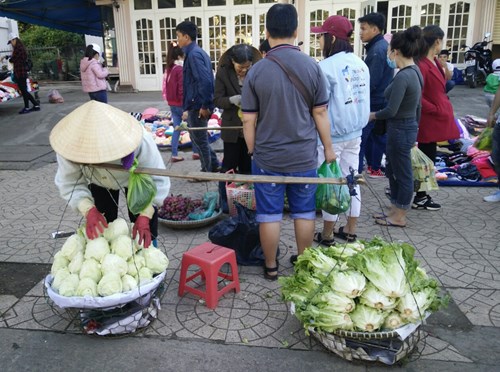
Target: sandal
{"type": "Point", "coordinates": [318, 238]}
{"type": "Point", "coordinates": [350, 238]}
{"type": "Point", "coordinates": [293, 258]}
{"type": "Point", "coordinates": [269, 270]}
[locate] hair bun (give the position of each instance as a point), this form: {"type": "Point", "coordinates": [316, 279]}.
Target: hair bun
{"type": "Point", "coordinates": [413, 33]}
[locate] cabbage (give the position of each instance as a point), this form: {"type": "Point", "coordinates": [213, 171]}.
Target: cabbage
{"type": "Point", "coordinates": [296, 288]}
{"type": "Point", "coordinates": [110, 283]}
{"type": "Point", "coordinates": [393, 321]}
{"type": "Point", "coordinates": [59, 277]}
{"type": "Point", "coordinates": [135, 263]}
{"type": "Point", "coordinates": [343, 251]}
{"type": "Point", "coordinates": [69, 285]}
{"type": "Point", "coordinates": [128, 283]}
{"type": "Point", "coordinates": [123, 246]}
{"type": "Point", "coordinates": [91, 269]}
{"type": "Point", "coordinates": [384, 267]}
{"type": "Point", "coordinates": [334, 301]}
{"type": "Point", "coordinates": [367, 319]}
{"type": "Point", "coordinates": [315, 262]}
{"type": "Point", "coordinates": [372, 297]}
{"type": "Point", "coordinates": [74, 244]}
{"type": "Point", "coordinates": [145, 275]}
{"type": "Point", "coordinates": [324, 320]}
{"type": "Point", "coordinates": [76, 263]}
{"type": "Point", "coordinates": [87, 287]}
{"type": "Point", "coordinates": [350, 283]}
{"type": "Point", "coordinates": [113, 263]}
{"type": "Point", "coordinates": [115, 229]}
{"type": "Point", "coordinates": [60, 262]}
{"type": "Point", "coordinates": [412, 306]}
{"type": "Point", "coordinates": [97, 249]}
{"type": "Point", "coordinates": [156, 260]}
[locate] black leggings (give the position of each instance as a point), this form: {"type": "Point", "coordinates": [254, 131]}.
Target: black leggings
{"type": "Point", "coordinates": [106, 202]}
{"type": "Point", "coordinates": [23, 87]}
{"type": "Point", "coordinates": [429, 149]}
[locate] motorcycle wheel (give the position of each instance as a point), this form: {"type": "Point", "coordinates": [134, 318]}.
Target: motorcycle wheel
{"type": "Point", "coordinates": [472, 81]}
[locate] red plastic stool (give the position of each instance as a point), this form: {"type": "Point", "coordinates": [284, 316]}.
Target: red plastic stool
{"type": "Point", "coordinates": [210, 258]}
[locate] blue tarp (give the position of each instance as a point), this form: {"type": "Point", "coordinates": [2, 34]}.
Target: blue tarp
{"type": "Point", "coordinates": [79, 16]}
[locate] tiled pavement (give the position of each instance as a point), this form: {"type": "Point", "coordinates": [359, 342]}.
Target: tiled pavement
{"type": "Point", "coordinates": [459, 245]}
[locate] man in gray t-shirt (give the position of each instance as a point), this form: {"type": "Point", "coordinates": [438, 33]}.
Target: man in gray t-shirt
{"type": "Point", "coordinates": [281, 133]}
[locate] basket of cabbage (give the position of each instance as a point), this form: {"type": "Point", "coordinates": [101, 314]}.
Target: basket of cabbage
{"type": "Point", "coordinates": [110, 281]}
{"type": "Point", "coordinates": [364, 300]}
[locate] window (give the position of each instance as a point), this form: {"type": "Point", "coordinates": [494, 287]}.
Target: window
{"type": "Point", "coordinates": [166, 4]}
{"type": "Point", "coordinates": [242, 2]}
{"type": "Point", "coordinates": [142, 4]}
{"type": "Point", "coordinates": [458, 22]}
{"type": "Point", "coordinates": [266, 1]}
{"type": "Point", "coordinates": [167, 34]}
{"type": "Point", "coordinates": [430, 14]}
{"type": "Point", "coordinates": [243, 29]}
{"type": "Point", "coordinates": [317, 19]}
{"type": "Point", "coordinates": [217, 38]}
{"type": "Point", "coordinates": [262, 27]}
{"type": "Point", "coordinates": [401, 18]}
{"type": "Point", "coordinates": [191, 3]}
{"type": "Point", "coordinates": [216, 2]}
{"type": "Point", "coordinates": [145, 46]}
{"type": "Point", "coordinates": [368, 9]}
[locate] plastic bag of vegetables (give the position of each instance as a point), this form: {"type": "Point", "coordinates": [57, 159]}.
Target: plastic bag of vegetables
{"type": "Point", "coordinates": [141, 190]}
{"type": "Point", "coordinates": [424, 174]}
{"type": "Point", "coordinates": [484, 141]}
{"type": "Point", "coordinates": [331, 198]}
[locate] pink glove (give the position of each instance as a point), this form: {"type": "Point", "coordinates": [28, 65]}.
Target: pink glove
{"type": "Point", "coordinates": [95, 223]}
{"type": "Point", "coordinates": [141, 227]}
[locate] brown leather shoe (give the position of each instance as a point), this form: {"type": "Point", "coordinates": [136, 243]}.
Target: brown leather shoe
{"type": "Point", "coordinates": [176, 159]}
{"type": "Point", "coordinates": [196, 157]}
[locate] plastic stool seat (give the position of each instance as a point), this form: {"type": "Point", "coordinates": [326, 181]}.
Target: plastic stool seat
{"type": "Point", "coordinates": [210, 258]}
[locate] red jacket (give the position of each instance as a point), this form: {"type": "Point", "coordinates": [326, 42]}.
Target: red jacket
{"type": "Point", "coordinates": [172, 85]}
{"type": "Point", "coordinates": [437, 122]}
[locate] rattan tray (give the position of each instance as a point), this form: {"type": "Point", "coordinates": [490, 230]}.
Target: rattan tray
{"type": "Point", "coordinates": [192, 224]}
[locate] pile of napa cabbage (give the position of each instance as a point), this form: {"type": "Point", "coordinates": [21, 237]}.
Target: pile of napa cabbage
{"type": "Point", "coordinates": [364, 286]}
{"type": "Point", "coordinates": [112, 263]}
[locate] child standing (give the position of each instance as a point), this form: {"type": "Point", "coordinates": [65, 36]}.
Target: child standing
{"type": "Point", "coordinates": [492, 82]}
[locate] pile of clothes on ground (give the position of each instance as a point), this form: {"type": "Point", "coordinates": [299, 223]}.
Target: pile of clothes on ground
{"type": "Point", "coordinates": [459, 163]}
{"type": "Point", "coordinates": [9, 89]}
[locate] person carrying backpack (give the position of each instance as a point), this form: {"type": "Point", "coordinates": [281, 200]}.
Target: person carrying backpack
{"type": "Point", "coordinates": [22, 65]}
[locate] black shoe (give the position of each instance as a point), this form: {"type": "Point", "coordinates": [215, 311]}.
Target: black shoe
{"type": "Point", "coordinates": [293, 259]}
{"type": "Point", "coordinates": [25, 111]}
{"type": "Point", "coordinates": [35, 108]}
{"type": "Point", "coordinates": [425, 202]}
{"type": "Point", "coordinates": [319, 239]}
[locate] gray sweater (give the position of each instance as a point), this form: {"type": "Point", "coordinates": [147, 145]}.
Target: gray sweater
{"type": "Point", "coordinates": [404, 95]}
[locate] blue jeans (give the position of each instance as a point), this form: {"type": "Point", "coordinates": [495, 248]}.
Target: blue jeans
{"type": "Point", "coordinates": [199, 138]}
{"type": "Point", "coordinates": [401, 137]}
{"type": "Point", "coordinates": [176, 120]}
{"type": "Point", "coordinates": [372, 146]}
{"type": "Point", "coordinates": [495, 152]}
{"type": "Point", "coordinates": [100, 96]}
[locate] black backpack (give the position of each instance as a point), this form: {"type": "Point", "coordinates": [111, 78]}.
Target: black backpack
{"type": "Point", "coordinates": [28, 64]}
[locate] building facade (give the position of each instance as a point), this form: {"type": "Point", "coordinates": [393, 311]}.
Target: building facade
{"type": "Point", "coordinates": [143, 28]}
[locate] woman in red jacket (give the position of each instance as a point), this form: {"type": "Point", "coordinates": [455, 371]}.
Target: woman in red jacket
{"type": "Point", "coordinates": [437, 122]}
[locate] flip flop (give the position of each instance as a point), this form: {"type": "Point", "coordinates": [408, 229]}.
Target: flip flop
{"type": "Point", "coordinates": [386, 222]}
{"type": "Point", "coordinates": [378, 216]}
{"type": "Point", "coordinates": [345, 236]}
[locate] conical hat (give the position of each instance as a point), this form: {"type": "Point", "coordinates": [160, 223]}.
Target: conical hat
{"type": "Point", "coordinates": [96, 133]}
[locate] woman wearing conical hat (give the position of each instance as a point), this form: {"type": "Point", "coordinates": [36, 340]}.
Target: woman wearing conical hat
{"type": "Point", "coordinates": [98, 133]}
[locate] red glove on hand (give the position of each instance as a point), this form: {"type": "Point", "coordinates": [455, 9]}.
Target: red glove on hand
{"type": "Point", "coordinates": [95, 223]}
{"type": "Point", "coordinates": [141, 227]}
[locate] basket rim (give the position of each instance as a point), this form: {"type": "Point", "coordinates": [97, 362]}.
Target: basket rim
{"type": "Point", "coordinates": [191, 223]}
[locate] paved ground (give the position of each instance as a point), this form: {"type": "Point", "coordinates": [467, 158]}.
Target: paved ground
{"type": "Point", "coordinates": [250, 330]}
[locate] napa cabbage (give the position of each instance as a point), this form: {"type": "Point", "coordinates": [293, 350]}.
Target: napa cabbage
{"type": "Point", "coordinates": [69, 285]}
{"type": "Point", "coordinates": [97, 249]}
{"type": "Point", "coordinates": [114, 263]}
{"type": "Point", "coordinates": [91, 269]}
{"type": "Point", "coordinates": [372, 297]}
{"type": "Point", "coordinates": [367, 319]}
{"type": "Point", "coordinates": [350, 282]}
{"type": "Point", "coordinates": [76, 263]}
{"type": "Point", "coordinates": [59, 277]}
{"type": "Point", "coordinates": [123, 246]}
{"type": "Point", "coordinates": [60, 262]}
{"type": "Point", "coordinates": [128, 283]}
{"type": "Point", "coordinates": [115, 229]}
{"type": "Point", "coordinates": [74, 244]}
{"type": "Point", "coordinates": [155, 259]}
{"type": "Point", "coordinates": [87, 287]}
{"type": "Point", "coordinates": [135, 263]}
{"type": "Point", "coordinates": [110, 284]}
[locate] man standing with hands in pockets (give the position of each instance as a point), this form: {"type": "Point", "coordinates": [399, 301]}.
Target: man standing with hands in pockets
{"type": "Point", "coordinates": [281, 124]}
{"type": "Point", "coordinates": [198, 86]}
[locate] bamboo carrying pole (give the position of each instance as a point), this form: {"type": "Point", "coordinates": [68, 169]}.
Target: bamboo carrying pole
{"type": "Point", "coordinates": [233, 177]}
{"type": "Point", "coordinates": [212, 128]}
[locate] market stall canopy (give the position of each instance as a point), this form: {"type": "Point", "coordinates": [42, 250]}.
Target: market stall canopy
{"type": "Point", "coordinates": [79, 16]}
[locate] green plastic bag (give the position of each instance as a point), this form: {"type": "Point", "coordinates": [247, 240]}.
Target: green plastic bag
{"type": "Point", "coordinates": [484, 141]}
{"type": "Point", "coordinates": [207, 210]}
{"type": "Point", "coordinates": [141, 190]}
{"type": "Point", "coordinates": [333, 199]}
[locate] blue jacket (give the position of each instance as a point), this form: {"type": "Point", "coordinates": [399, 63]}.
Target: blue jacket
{"type": "Point", "coordinates": [198, 79]}
{"type": "Point", "coordinates": [380, 72]}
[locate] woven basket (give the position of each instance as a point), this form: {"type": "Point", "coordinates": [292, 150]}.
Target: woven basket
{"type": "Point", "coordinates": [385, 347]}
{"type": "Point", "coordinates": [190, 224]}
{"type": "Point", "coordinates": [245, 197]}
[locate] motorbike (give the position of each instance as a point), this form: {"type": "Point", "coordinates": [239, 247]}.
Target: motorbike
{"type": "Point", "coordinates": [478, 60]}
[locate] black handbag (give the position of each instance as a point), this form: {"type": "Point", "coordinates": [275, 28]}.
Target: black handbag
{"type": "Point", "coordinates": [380, 127]}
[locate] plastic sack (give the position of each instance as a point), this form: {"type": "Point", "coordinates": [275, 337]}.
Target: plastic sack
{"type": "Point", "coordinates": [240, 233]}
{"type": "Point", "coordinates": [333, 199]}
{"type": "Point", "coordinates": [485, 140]}
{"type": "Point", "coordinates": [208, 208]}
{"type": "Point", "coordinates": [424, 174]}
{"type": "Point", "coordinates": [55, 96]}
{"type": "Point", "coordinates": [141, 190]}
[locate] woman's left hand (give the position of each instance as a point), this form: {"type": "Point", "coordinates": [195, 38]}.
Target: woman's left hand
{"type": "Point", "coordinates": [372, 117]}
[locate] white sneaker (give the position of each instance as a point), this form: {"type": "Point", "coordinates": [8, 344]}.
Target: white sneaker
{"type": "Point", "coordinates": [493, 198]}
